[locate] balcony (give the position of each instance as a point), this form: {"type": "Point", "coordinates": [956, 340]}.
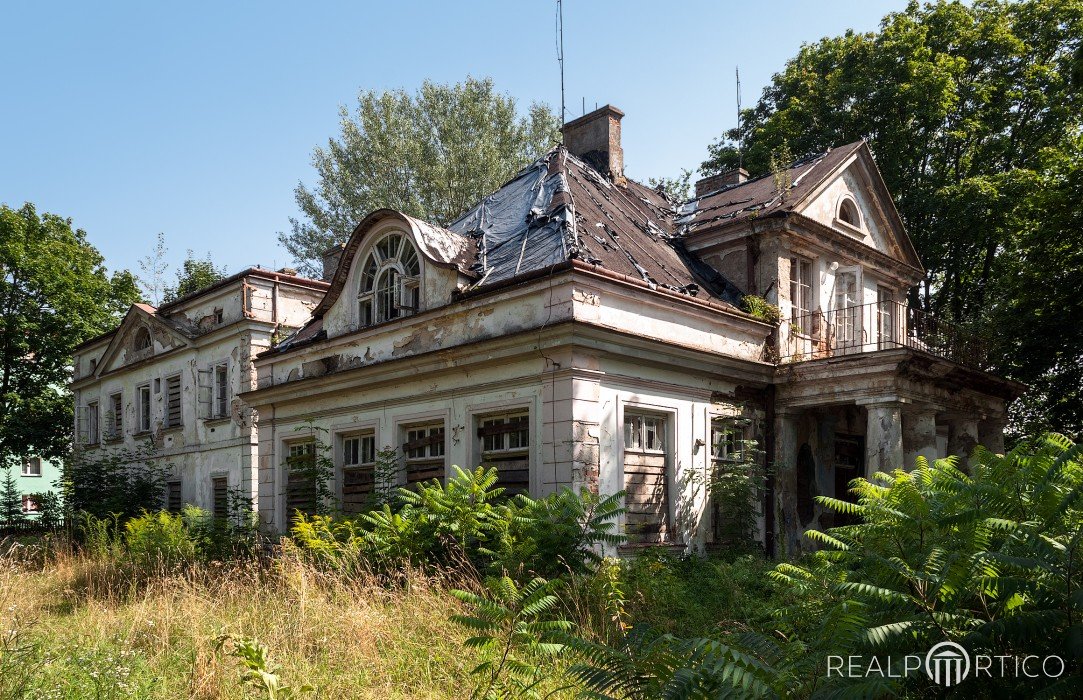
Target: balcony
{"type": "Point", "coordinates": [882, 325]}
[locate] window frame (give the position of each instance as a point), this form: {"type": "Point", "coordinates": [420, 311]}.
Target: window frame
{"type": "Point", "coordinates": [513, 421]}
{"type": "Point", "coordinates": [27, 471]}
{"type": "Point", "coordinates": [116, 409]}
{"type": "Point", "coordinates": [642, 432]}
{"type": "Point", "coordinates": [143, 411]}
{"type": "Point", "coordinates": [385, 279]}
{"type": "Point", "coordinates": [801, 296]}
{"type": "Point", "coordinates": [93, 424]}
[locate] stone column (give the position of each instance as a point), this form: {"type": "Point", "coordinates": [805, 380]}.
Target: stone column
{"type": "Point", "coordinates": [962, 437]}
{"type": "Point", "coordinates": [883, 438]}
{"type": "Point", "coordinates": [919, 436]}
{"type": "Point", "coordinates": [991, 434]}
{"type": "Point", "coordinates": [787, 525]}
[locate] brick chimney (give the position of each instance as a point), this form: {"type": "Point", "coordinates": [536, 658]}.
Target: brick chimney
{"type": "Point", "coordinates": [717, 182]}
{"type": "Point", "coordinates": [595, 138]}
{"type": "Point", "coordinates": [330, 260]}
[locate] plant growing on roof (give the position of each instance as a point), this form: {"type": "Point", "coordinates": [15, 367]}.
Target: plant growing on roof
{"type": "Point", "coordinates": [761, 308]}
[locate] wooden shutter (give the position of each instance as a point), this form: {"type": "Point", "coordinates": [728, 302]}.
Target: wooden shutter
{"type": "Point", "coordinates": [173, 502]}
{"type": "Point", "coordinates": [220, 493]}
{"type": "Point", "coordinates": [173, 414]}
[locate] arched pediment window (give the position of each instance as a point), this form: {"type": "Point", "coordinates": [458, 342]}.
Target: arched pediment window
{"type": "Point", "coordinates": [142, 339]}
{"type": "Point", "coordinates": [848, 212]}
{"type": "Point", "coordinates": [389, 286]}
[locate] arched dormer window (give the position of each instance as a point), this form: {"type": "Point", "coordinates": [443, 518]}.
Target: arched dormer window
{"type": "Point", "coordinates": [142, 339]}
{"type": "Point", "coordinates": [390, 280]}
{"type": "Point", "coordinates": [848, 212]}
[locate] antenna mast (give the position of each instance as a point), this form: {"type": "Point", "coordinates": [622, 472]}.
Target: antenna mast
{"type": "Point", "coordinates": [740, 136]}
{"type": "Point", "coordinates": [560, 60]}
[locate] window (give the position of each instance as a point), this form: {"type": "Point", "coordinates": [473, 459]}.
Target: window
{"type": "Point", "coordinates": [32, 466]}
{"type": "Point", "coordinates": [221, 391]}
{"type": "Point", "coordinates": [114, 419]}
{"type": "Point", "coordinates": [93, 365]}
{"type": "Point", "coordinates": [30, 505]}
{"type": "Point", "coordinates": [505, 443]}
{"type": "Point", "coordinates": [389, 286]}
{"type": "Point", "coordinates": [801, 295]}
{"type": "Point", "coordinates": [174, 415]}
{"type": "Point", "coordinates": [142, 339]}
{"type": "Point", "coordinates": [143, 407]}
{"type": "Point", "coordinates": [219, 497]}
{"type": "Point", "coordinates": [358, 471]}
{"type": "Point", "coordinates": [847, 318]}
{"type": "Point", "coordinates": [887, 335]}
{"type": "Point", "coordinates": [90, 431]}
{"type": "Point", "coordinates": [728, 445]}
{"type": "Point", "coordinates": [644, 433]}
{"type": "Point", "coordinates": [726, 442]}
{"type": "Point", "coordinates": [300, 480]}
{"type": "Point", "coordinates": [646, 487]}
{"type": "Point", "coordinates": [218, 317]}
{"type": "Point", "coordinates": [173, 501]}
{"type": "Point", "coordinates": [424, 450]}
{"type": "Point", "coordinates": [848, 212]}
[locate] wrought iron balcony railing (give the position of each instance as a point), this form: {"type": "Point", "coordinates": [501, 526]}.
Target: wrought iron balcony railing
{"type": "Point", "coordinates": [881, 325]}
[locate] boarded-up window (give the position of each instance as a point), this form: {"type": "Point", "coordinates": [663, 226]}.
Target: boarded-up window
{"type": "Point", "coordinates": [505, 444]}
{"type": "Point", "coordinates": [173, 406]}
{"type": "Point", "coordinates": [424, 450]}
{"type": "Point", "coordinates": [173, 502]}
{"type": "Point", "coordinates": [358, 471]}
{"type": "Point", "coordinates": [219, 497]}
{"type": "Point", "coordinates": [301, 483]}
{"type": "Point", "coordinates": [645, 478]}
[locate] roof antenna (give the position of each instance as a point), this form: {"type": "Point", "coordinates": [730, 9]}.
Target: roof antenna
{"type": "Point", "coordinates": [740, 136]}
{"type": "Point", "coordinates": [560, 60]}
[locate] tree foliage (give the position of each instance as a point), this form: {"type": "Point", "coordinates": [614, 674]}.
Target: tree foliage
{"type": "Point", "coordinates": [193, 275]}
{"type": "Point", "coordinates": [431, 154]}
{"type": "Point", "coordinates": [974, 114]}
{"type": "Point", "coordinates": [54, 294]}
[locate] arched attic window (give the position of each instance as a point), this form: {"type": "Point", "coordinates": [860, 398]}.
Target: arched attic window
{"type": "Point", "coordinates": [848, 212]}
{"type": "Point", "coordinates": [142, 339]}
{"type": "Point", "coordinates": [390, 280]}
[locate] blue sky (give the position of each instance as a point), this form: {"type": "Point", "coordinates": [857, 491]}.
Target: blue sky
{"type": "Point", "coordinates": [198, 120]}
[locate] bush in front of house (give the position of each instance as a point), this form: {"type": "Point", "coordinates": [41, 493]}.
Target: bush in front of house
{"type": "Point", "coordinates": [469, 522]}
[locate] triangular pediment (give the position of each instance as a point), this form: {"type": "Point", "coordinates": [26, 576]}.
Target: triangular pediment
{"type": "Point", "coordinates": [140, 336]}
{"type": "Point", "coordinates": [854, 200]}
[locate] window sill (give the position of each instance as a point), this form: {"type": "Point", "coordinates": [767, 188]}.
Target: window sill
{"type": "Point", "coordinates": [217, 420]}
{"type": "Point", "coordinates": [30, 476]}
{"type": "Point", "coordinates": [172, 429]}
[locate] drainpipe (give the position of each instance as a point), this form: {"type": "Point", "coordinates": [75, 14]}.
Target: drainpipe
{"type": "Point", "coordinates": [769, 458]}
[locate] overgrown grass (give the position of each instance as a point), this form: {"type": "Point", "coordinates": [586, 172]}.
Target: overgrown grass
{"type": "Point", "coordinates": [83, 626]}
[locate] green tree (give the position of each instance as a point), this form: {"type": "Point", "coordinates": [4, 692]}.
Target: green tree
{"type": "Point", "coordinates": [152, 272]}
{"type": "Point", "coordinates": [966, 108]}
{"type": "Point", "coordinates": [11, 498]}
{"type": "Point", "coordinates": [431, 154]}
{"type": "Point", "coordinates": [54, 294]}
{"type": "Point", "coordinates": [194, 275]}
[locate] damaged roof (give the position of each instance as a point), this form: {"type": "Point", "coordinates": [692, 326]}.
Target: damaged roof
{"type": "Point", "coordinates": [761, 196]}
{"type": "Point", "coordinates": [560, 208]}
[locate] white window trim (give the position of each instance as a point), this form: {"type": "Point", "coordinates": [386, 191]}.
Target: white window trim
{"type": "Point", "coordinates": [671, 415]}
{"type": "Point", "coordinates": [25, 471]}
{"type": "Point", "coordinates": [358, 271]}
{"type": "Point", "coordinates": [140, 417]}
{"type": "Point", "coordinates": [860, 229]}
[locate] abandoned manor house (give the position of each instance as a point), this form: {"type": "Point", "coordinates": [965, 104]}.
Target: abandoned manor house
{"type": "Point", "coordinates": [573, 329]}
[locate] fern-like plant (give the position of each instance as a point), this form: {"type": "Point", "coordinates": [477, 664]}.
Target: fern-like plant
{"type": "Point", "coordinates": [516, 626]}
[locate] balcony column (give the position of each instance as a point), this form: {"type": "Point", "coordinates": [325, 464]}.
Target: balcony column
{"type": "Point", "coordinates": [883, 438]}
{"type": "Point", "coordinates": [919, 436]}
{"type": "Point", "coordinates": [991, 433]}
{"type": "Point", "coordinates": [962, 437]}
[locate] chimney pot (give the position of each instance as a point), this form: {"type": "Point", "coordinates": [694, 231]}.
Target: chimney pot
{"type": "Point", "coordinates": [595, 138]}
{"type": "Point", "coordinates": [723, 179]}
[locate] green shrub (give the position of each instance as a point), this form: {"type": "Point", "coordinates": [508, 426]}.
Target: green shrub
{"type": "Point", "coordinates": [159, 537]}
{"type": "Point", "coordinates": [467, 521]}
{"type": "Point", "coordinates": [762, 309]}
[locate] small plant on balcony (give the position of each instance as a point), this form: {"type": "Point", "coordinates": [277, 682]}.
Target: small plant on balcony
{"type": "Point", "coordinates": [762, 309]}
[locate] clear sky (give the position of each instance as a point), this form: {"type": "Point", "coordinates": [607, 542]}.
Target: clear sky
{"type": "Point", "coordinates": [198, 120]}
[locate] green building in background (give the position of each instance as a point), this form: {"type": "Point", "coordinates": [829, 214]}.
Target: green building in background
{"type": "Point", "coordinates": [31, 476]}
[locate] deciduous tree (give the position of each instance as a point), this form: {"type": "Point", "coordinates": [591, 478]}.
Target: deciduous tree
{"type": "Point", "coordinates": [431, 154]}
{"type": "Point", "coordinates": [966, 108]}
{"type": "Point", "coordinates": [54, 293]}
